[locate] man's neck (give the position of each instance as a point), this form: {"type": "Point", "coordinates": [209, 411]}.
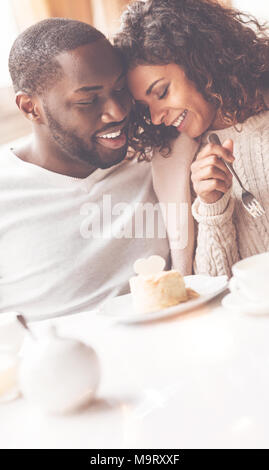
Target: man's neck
{"type": "Point", "coordinates": [45, 155]}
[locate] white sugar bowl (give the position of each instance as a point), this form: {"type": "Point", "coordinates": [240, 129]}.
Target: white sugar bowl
{"type": "Point", "coordinates": [58, 374]}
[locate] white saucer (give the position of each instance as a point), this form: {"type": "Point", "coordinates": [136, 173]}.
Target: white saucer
{"type": "Point", "coordinates": [120, 308]}
{"type": "Point", "coordinates": [237, 303]}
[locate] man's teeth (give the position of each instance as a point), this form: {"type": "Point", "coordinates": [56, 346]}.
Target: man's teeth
{"type": "Point", "coordinates": [180, 119]}
{"type": "Point", "coordinates": [113, 135]}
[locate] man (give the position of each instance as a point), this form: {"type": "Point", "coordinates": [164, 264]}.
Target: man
{"type": "Point", "coordinates": [68, 196]}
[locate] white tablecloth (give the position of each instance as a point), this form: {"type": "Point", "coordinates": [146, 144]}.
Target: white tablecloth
{"type": "Point", "coordinates": [198, 380]}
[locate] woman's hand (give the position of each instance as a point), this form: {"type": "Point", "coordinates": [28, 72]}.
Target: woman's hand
{"type": "Point", "coordinates": [209, 175]}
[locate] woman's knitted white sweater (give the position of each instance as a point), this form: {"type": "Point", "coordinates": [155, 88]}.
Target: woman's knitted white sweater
{"type": "Point", "coordinates": [226, 231]}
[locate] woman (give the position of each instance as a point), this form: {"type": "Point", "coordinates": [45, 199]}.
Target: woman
{"type": "Point", "coordinates": [196, 67]}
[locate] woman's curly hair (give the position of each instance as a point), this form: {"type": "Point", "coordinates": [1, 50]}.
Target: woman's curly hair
{"type": "Point", "coordinates": [223, 51]}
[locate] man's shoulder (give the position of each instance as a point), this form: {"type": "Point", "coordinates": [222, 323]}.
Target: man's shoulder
{"type": "Point", "coordinates": [5, 156]}
{"type": "Point", "coordinates": [11, 169]}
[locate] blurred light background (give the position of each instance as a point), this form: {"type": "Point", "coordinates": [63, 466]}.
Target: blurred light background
{"type": "Point", "coordinates": [16, 15]}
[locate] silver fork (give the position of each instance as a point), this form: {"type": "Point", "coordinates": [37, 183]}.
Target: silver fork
{"type": "Point", "coordinates": [249, 202]}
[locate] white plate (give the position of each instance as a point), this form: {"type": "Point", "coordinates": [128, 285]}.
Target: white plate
{"type": "Point", "coordinates": [238, 304]}
{"type": "Point", "coordinates": [120, 308]}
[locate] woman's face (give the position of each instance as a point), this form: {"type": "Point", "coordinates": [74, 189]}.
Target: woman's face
{"type": "Point", "coordinates": [172, 98]}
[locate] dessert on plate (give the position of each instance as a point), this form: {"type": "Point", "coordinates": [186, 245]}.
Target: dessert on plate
{"type": "Point", "coordinates": [154, 289]}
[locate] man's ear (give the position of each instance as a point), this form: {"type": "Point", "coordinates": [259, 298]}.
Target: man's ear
{"type": "Point", "coordinates": [29, 106]}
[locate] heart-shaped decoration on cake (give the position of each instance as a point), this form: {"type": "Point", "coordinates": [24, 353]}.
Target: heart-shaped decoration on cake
{"type": "Point", "coordinates": [147, 266]}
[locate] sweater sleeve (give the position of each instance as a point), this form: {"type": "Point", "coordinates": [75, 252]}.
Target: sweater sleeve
{"type": "Point", "coordinates": [216, 249]}
{"type": "Point", "coordinates": [171, 182]}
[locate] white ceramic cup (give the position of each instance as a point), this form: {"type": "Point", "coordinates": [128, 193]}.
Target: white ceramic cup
{"type": "Point", "coordinates": [251, 278]}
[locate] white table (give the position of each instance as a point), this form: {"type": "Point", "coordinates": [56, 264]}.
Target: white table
{"type": "Point", "coordinates": [198, 380]}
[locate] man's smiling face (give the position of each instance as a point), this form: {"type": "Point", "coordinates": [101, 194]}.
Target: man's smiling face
{"type": "Point", "coordinates": [87, 110]}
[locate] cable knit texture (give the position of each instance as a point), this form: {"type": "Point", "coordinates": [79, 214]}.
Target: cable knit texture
{"type": "Point", "coordinates": [226, 231]}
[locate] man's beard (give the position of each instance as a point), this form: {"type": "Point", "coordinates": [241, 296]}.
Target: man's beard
{"type": "Point", "coordinates": [75, 147]}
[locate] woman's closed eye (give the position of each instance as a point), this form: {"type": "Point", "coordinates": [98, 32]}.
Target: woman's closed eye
{"type": "Point", "coordinates": [164, 93]}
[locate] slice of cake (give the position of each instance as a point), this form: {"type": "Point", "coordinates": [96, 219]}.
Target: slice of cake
{"type": "Point", "coordinates": [153, 289]}
{"type": "Point", "coordinates": [157, 291]}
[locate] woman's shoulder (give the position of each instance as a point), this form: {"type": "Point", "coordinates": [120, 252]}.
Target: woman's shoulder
{"type": "Point", "coordinates": [258, 122]}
